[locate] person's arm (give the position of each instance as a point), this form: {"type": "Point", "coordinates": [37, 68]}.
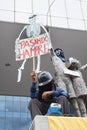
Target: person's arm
{"type": "Point", "coordinates": [46, 94]}
{"type": "Point", "coordinates": [58, 92]}
{"type": "Point", "coordinates": [33, 89]}
{"type": "Point", "coordinates": [55, 93]}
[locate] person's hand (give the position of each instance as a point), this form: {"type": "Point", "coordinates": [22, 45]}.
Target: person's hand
{"type": "Point", "coordinates": [33, 76]}
{"type": "Point", "coordinates": [46, 94]}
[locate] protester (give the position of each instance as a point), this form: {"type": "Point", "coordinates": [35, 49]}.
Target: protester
{"type": "Point", "coordinates": [43, 92]}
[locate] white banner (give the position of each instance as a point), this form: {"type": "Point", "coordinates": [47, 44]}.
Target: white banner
{"type": "Point", "coordinates": [31, 47]}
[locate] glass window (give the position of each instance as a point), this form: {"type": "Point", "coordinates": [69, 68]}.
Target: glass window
{"type": "Point", "coordinates": [84, 9]}
{"type": "Point", "coordinates": [2, 122]}
{"type": "Point", "coordinates": [21, 17]}
{"type": "Point", "coordinates": [9, 114]}
{"type": "Point", "coordinates": [24, 106]}
{"type": "Point", "coordinates": [42, 19]}
{"type": "Point", "coordinates": [9, 104]}
{"type": "Point", "coordinates": [83, 0]}
{"type": "Point", "coordinates": [9, 98]}
{"type": "Point", "coordinates": [40, 6]}
{"type": "Point", "coordinates": [23, 115]}
{"type": "Point", "coordinates": [7, 16]}
{"type": "Point", "coordinates": [86, 24]}
{"type": "Point", "coordinates": [76, 24]}
{"type": "Point", "coordinates": [7, 4]}
{"type": "Point", "coordinates": [59, 22]}
{"type": "Point", "coordinates": [16, 106]}
{"type": "Point", "coordinates": [58, 8]}
{"type": "Point", "coordinates": [24, 99]}
{"type": "Point", "coordinates": [16, 115]}
{"type": "Point", "coordinates": [74, 9]}
{"type": "Point", "coordinates": [2, 105]}
{"type": "Point", "coordinates": [13, 114]}
{"type": "Point", "coordinates": [2, 114]}
{"type": "Point", "coordinates": [23, 6]}
{"type": "Point", "coordinates": [2, 98]}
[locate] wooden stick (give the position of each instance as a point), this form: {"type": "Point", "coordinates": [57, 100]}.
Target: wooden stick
{"type": "Point", "coordinates": [33, 63]}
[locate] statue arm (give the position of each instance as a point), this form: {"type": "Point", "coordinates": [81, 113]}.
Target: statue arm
{"type": "Point", "coordinates": [84, 67]}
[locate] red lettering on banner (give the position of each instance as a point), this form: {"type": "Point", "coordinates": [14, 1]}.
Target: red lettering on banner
{"type": "Point", "coordinates": [38, 50]}
{"type": "Point", "coordinates": [45, 48]}
{"type": "Point", "coordinates": [23, 44]}
{"type": "Point", "coordinates": [32, 42]}
{"type": "Point", "coordinates": [24, 54]}
{"type": "Point", "coordinates": [27, 42]}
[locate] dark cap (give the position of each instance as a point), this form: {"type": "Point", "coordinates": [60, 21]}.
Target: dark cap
{"type": "Point", "coordinates": [32, 16]}
{"type": "Point", "coordinates": [44, 78]}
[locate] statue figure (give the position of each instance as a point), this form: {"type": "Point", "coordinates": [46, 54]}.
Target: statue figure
{"type": "Point", "coordinates": [78, 82]}
{"type": "Point", "coordinates": [63, 80]}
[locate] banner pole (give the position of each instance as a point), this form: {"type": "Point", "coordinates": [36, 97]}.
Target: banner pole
{"type": "Point", "coordinates": [33, 63]}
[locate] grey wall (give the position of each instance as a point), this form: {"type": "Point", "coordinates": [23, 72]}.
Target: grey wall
{"type": "Point", "coordinates": [74, 43]}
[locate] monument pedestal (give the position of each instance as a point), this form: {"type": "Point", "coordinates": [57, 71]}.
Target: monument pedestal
{"type": "Point", "coordinates": [58, 123]}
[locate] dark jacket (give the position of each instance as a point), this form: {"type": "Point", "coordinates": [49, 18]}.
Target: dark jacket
{"type": "Point", "coordinates": [37, 93]}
